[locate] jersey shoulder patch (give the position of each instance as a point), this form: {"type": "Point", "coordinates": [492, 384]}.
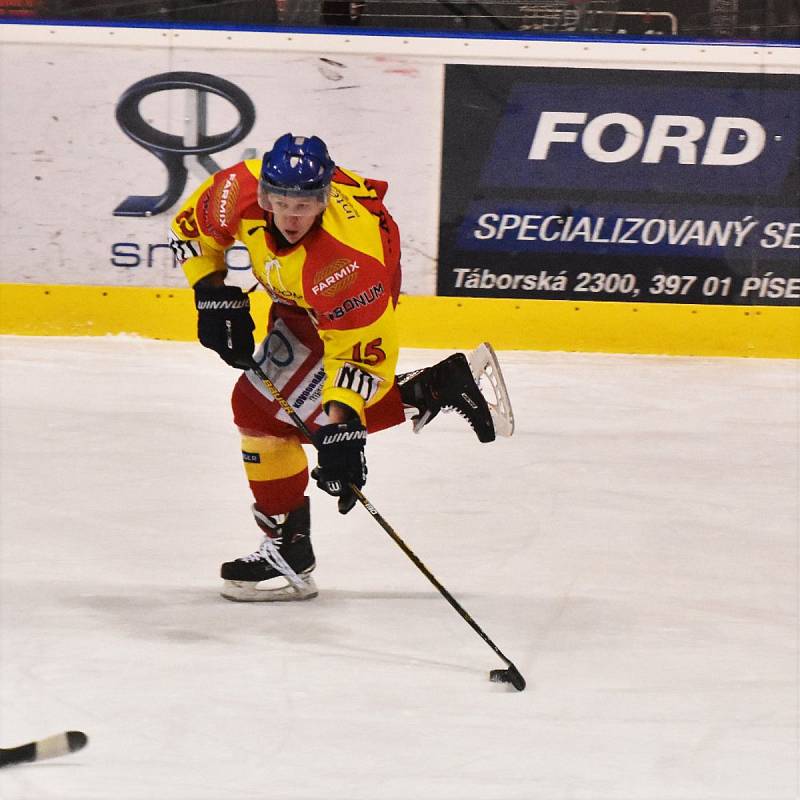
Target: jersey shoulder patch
{"type": "Point", "coordinates": [221, 207]}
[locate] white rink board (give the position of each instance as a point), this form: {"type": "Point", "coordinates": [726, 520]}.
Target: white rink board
{"type": "Point", "coordinates": [377, 100]}
{"type": "Point", "coordinates": [71, 164]}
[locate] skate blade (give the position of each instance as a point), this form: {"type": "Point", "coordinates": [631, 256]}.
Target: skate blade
{"type": "Point", "coordinates": [483, 364]}
{"type": "Point", "coordinates": [421, 420]}
{"type": "Point", "coordinates": [253, 592]}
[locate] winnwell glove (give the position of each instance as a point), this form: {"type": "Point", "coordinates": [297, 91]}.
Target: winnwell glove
{"type": "Point", "coordinates": [224, 323]}
{"type": "Point", "coordinates": [341, 461]}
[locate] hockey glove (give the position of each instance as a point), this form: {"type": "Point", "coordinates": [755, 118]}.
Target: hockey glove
{"type": "Point", "coordinates": [224, 323]}
{"type": "Point", "coordinates": [340, 454]}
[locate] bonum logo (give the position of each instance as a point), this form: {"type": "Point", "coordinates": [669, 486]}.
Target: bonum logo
{"type": "Point", "coordinates": [675, 138]}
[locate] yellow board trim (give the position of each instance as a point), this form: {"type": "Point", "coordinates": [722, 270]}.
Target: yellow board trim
{"type": "Point", "coordinates": [433, 322]}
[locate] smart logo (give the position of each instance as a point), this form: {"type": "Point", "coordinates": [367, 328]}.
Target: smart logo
{"type": "Point", "coordinates": [196, 144]}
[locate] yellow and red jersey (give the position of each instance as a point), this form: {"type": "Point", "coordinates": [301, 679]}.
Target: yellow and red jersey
{"type": "Point", "coordinates": [344, 275]}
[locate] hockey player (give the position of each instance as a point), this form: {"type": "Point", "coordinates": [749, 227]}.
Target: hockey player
{"type": "Point", "coordinates": [327, 251]}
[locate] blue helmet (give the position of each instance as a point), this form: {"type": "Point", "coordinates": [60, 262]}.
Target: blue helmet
{"type": "Point", "coordinates": [297, 166]}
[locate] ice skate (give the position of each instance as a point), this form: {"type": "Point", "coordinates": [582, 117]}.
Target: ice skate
{"type": "Point", "coordinates": [455, 384]}
{"type": "Point", "coordinates": [280, 569]}
{"type": "Point", "coordinates": [488, 376]}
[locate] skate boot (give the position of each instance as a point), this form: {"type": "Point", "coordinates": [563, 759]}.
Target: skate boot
{"type": "Point", "coordinates": [285, 553]}
{"type": "Point", "coordinates": [455, 384]}
{"type": "Point", "coordinates": [447, 385]}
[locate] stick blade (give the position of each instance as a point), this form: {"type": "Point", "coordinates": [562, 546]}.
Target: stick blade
{"type": "Point", "coordinates": [511, 675]}
{"type": "Point", "coordinates": [60, 745]}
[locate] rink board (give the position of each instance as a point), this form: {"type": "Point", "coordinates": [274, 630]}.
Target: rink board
{"type": "Point", "coordinates": [84, 230]}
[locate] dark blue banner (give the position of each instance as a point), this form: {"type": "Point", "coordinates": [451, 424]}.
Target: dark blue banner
{"type": "Point", "coordinates": [660, 177]}
{"type": "Point", "coordinates": [624, 229]}
{"type": "Point", "coordinates": [696, 140]}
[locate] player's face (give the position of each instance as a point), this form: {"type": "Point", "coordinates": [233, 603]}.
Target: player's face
{"type": "Point", "coordinates": [294, 216]}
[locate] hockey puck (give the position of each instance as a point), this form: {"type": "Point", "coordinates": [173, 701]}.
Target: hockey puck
{"type": "Point", "coordinates": [511, 675]}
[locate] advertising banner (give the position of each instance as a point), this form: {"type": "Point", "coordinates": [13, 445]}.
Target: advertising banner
{"type": "Point", "coordinates": [94, 168]}
{"type": "Point", "coordinates": [645, 186]}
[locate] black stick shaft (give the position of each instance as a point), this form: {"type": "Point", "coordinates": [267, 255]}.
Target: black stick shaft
{"type": "Point", "coordinates": [298, 422]}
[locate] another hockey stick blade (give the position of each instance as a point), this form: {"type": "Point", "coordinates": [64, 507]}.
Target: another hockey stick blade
{"type": "Point", "coordinates": [52, 747]}
{"type": "Point", "coordinates": [486, 370]}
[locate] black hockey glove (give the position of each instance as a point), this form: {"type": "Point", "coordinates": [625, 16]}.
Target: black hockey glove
{"type": "Point", "coordinates": [224, 323]}
{"type": "Point", "coordinates": [340, 455]}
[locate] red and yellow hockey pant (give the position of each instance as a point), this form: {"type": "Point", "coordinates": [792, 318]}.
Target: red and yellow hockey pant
{"type": "Point", "coordinates": [272, 447]}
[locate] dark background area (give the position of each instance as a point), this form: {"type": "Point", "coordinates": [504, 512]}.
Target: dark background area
{"type": "Point", "coordinates": [757, 20]}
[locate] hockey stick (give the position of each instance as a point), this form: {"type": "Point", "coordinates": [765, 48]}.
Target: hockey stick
{"type": "Point", "coordinates": [511, 675]}
{"type": "Point", "coordinates": [51, 747]}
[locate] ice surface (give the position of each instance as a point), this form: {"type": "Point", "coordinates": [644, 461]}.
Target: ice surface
{"type": "Point", "coordinates": [633, 549]}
